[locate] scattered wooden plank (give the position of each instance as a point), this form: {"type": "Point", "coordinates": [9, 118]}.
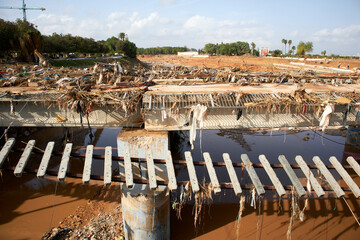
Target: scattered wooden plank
{"type": "Point", "coordinates": [107, 166]}
{"type": "Point", "coordinates": [271, 173]}
{"type": "Point", "coordinates": [128, 166]}
{"type": "Point", "coordinates": [254, 177]}
{"type": "Point", "coordinates": [232, 174]}
{"type": "Point", "coordinates": [6, 150]}
{"type": "Point", "coordinates": [150, 102]}
{"type": "Point", "coordinates": [213, 178]}
{"type": "Point", "coordinates": [151, 170]}
{"type": "Point", "coordinates": [24, 158]}
{"type": "Point", "coordinates": [64, 162]}
{"type": "Point", "coordinates": [87, 164]}
{"type": "Point", "coordinates": [293, 178]}
{"type": "Point", "coordinates": [45, 160]}
{"type": "Point", "coordinates": [171, 172]}
{"type": "Point", "coordinates": [191, 170]}
{"type": "Point", "coordinates": [331, 180]}
{"type": "Point", "coordinates": [309, 175]}
{"type": "Point", "coordinates": [354, 164]}
{"type": "Point", "coordinates": [212, 100]}
{"type": "Point", "coordinates": [352, 185]}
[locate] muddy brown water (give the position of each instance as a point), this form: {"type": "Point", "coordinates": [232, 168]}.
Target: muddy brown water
{"type": "Point", "coordinates": [29, 207]}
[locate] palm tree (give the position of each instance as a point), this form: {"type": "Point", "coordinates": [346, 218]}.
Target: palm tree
{"type": "Point", "coordinates": [122, 36]}
{"type": "Point", "coordinates": [283, 42]}
{"type": "Point", "coordinates": [293, 49]}
{"type": "Point", "coordinates": [252, 48]}
{"type": "Point", "coordinates": [289, 42]}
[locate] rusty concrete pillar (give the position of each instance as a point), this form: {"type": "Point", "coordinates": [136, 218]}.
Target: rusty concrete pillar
{"type": "Point", "coordinates": [146, 212]}
{"type": "Point", "coordinates": [352, 143]}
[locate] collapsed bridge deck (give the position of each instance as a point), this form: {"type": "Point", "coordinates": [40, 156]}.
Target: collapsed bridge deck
{"type": "Point", "coordinates": [168, 107]}
{"type": "Point", "coordinates": [154, 177]}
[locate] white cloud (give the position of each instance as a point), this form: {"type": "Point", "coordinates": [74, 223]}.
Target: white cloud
{"type": "Point", "coordinates": [338, 34]}
{"type": "Point", "coordinates": [338, 40]}
{"type": "Point", "coordinates": [168, 2]}
{"type": "Point", "coordinates": [155, 30]}
{"type": "Point", "coordinates": [50, 23]}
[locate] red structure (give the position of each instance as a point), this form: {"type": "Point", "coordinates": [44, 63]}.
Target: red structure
{"type": "Point", "coordinates": [264, 51]}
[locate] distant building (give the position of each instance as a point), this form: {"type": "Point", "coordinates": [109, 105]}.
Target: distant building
{"type": "Point", "coordinates": [264, 51]}
{"type": "Point", "coordinates": [188, 54]}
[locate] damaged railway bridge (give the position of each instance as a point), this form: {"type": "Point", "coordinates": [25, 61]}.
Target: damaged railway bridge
{"type": "Point", "coordinates": [144, 162]}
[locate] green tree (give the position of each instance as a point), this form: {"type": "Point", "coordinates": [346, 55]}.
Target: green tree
{"type": "Point", "coordinates": [252, 48]}
{"type": "Point", "coordinates": [276, 53]}
{"type": "Point", "coordinates": [122, 36]}
{"type": "Point", "coordinates": [210, 48]}
{"type": "Point", "coordinates": [27, 39]}
{"type": "Point", "coordinates": [126, 47]}
{"type": "Point", "coordinates": [283, 41]}
{"type": "Point", "coordinates": [289, 42]}
{"type": "Point", "coordinates": [293, 49]}
{"type": "Point", "coordinates": [303, 48]}
{"type": "Point", "coordinates": [8, 32]}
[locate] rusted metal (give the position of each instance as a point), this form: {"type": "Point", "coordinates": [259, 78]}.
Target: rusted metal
{"type": "Point", "coordinates": [176, 162]}
{"type": "Point", "coordinates": [160, 183]}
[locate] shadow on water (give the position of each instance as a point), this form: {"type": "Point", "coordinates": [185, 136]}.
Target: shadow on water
{"type": "Point", "coordinates": [14, 192]}
{"type": "Point", "coordinates": [225, 207]}
{"type": "Point", "coordinates": [216, 216]}
{"type": "Point", "coordinates": [236, 142]}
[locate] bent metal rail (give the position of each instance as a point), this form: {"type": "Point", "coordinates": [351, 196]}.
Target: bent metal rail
{"type": "Point", "coordinates": [125, 162]}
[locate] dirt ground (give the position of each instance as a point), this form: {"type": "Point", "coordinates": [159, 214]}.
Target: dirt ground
{"type": "Point", "coordinates": [243, 62]}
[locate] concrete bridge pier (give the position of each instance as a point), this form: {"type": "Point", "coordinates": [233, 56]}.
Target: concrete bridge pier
{"type": "Point", "coordinates": [146, 212]}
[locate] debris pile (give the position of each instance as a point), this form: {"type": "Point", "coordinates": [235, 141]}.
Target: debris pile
{"type": "Point", "coordinates": [104, 226]}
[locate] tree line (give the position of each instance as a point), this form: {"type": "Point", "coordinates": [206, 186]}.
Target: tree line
{"type": "Point", "coordinates": [229, 49]}
{"type": "Point", "coordinates": [301, 49]}
{"type": "Point", "coordinates": [23, 37]}
{"type": "Point", "coordinates": [163, 50]}
{"type": "Point", "coordinates": [20, 36]}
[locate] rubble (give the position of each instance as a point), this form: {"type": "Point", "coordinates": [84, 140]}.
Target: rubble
{"type": "Point", "coordinates": [104, 226]}
{"type": "Point", "coordinates": [78, 89]}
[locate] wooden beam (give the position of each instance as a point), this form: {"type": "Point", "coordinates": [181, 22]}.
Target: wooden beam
{"type": "Point", "coordinates": [354, 164]}
{"type": "Point", "coordinates": [151, 170]}
{"type": "Point", "coordinates": [306, 170]}
{"type": "Point", "coordinates": [45, 159]}
{"type": "Point", "coordinates": [87, 164]}
{"type": "Point", "coordinates": [64, 162]}
{"type": "Point", "coordinates": [24, 158]}
{"type": "Point", "coordinates": [129, 178]}
{"type": "Point", "coordinates": [330, 179]}
{"type": "Point", "coordinates": [272, 175]}
{"type": "Point", "coordinates": [352, 185]}
{"type": "Point", "coordinates": [192, 173]}
{"type": "Point", "coordinates": [171, 172]}
{"type": "Point", "coordinates": [232, 174]}
{"type": "Point", "coordinates": [293, 178]}
{"type": "Point", "coordinates": [254, 177]}
{"type": "Point", "coordinates": [6, 150]}
{"type": "Point", "coordinates": [213, 178]}
{"type": "Point", "coordinates": [108, 166]}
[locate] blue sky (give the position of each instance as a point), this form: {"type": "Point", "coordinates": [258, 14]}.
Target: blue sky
{"type": "Point", "coordinates": [331, 25]}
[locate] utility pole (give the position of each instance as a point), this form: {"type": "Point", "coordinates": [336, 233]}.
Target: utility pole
{"type": "Point", "coordinates": [23, 8]}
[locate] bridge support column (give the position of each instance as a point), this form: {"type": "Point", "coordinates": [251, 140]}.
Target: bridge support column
{"type": "Point", "coordinates": [352, 144]}
{"type": "Point", "coordinates": [146, 212]}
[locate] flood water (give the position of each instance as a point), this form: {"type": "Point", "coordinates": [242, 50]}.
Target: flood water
{"type": "Point", "coordinates": [29, 189]}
